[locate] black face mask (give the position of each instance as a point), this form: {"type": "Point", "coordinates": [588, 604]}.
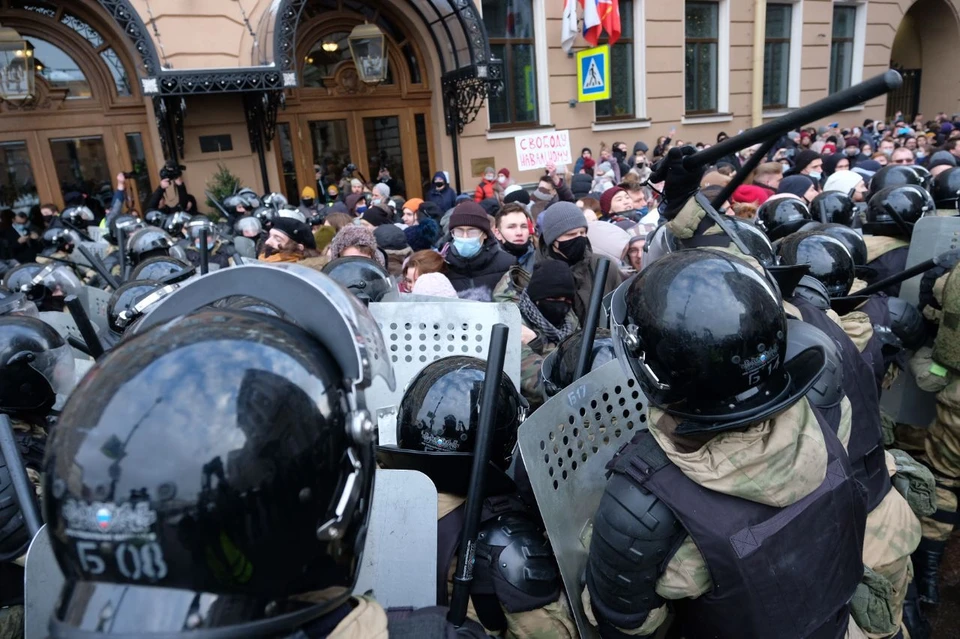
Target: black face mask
{"type": "Point", "coordinates": [307, 202]}
{"type": "Point", "coordinates": [554, 311]}
{"type": "Point", "coordinates": [572, 251]}
{"type": "Point", "coordinates": [516, 250]}
{"type": "Point", "coordinates": [439, 185]}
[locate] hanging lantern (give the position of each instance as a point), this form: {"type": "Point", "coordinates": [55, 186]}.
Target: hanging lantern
{"type": "Point", "coordinates": [367, 47]}
{"type": "Point", "coordinates": [17, 66]}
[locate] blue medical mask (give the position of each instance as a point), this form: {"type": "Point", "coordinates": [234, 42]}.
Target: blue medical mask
{"type": "Point", "coordinates": [466, 247]}
{"type": "Point", "coordinates": [361, 209]}
{"type": "Point", "coordinates": [643, 211]}
{"type": "Point", "coordinates": [21, 228]}
{"type": "Point", "coordinates": [815, 175]}
{"type": "Point", "coordinates": [210, 243]}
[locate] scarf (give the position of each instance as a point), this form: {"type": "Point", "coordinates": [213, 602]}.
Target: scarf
{"type": "Point", "coordinates": [547, 331]}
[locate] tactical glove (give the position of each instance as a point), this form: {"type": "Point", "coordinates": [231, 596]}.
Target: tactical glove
{"type": "Point", "coordinates": [680, 183]}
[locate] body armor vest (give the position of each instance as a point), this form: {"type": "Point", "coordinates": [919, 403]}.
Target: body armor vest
{"type": "Point", "coordinates": [876, 309]}
{"type": "Point", "coordinates": [786, 572]}
{"type": "Point", "coordinates": [890, 263]}
{"type": "Point", "coordinates": [946, 346]}
{"type": "Point", "coordinates": [865, 448]}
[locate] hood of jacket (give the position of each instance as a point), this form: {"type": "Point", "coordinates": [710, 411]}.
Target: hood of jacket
{"type": "Point", "coordinates": [776, 462]}
{"type": "Point", "coordinates": [513, 282]}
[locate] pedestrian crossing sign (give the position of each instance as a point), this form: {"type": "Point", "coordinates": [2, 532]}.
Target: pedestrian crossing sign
{"type": "Point", "coordinates": [593, 74]}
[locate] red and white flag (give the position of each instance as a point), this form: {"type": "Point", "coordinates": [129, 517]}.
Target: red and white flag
{"type": "Point", "coordinates": [592, 27]}
{"type": "Point", "coordinates": [609, 11]}
{"type": "Point", "coordinates": [568, 28]}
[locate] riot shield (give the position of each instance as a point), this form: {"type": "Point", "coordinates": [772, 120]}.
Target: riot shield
{"type": "Point", "coordinates": [417, 333]}
{"type": "Point", "coordinates": [400, 555]}
{"type": "Point", "coordinates": [566, 445]}
{"type": "Point", "coordinates": [42, 583]}
{"type": "Point", "coordinates": [904, 400]}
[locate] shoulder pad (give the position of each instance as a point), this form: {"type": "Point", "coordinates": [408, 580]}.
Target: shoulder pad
{"type": "Point", "coordinates": [518, 552]}
{"type": "Point", "coordinates": [906, 322]}
{"type": "Point", "coordinates": [634, 536]}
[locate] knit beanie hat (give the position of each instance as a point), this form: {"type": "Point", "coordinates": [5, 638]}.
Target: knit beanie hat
{"type": "Point", "coordinates": [505, 172]}
{"type": "Point", "coordinates": [390, 238]}
{"type": "Point", "coordinates": [843, 181]}
{"type": "Point", "coordinates": [435, 284]}
{"type": "Point", "coordinates": [561, 218]}
{"type": "Point", "coordinates": [423, 235]}
{"type": "Point", "coordinates": [413, 204]}
{"type": "Point", "coordinates": [376, 216]}
{"type": "Point", "coordinates": [803, 159]}
{"type": "Point", "coordinates": [607, 199]}
{"type": "Point", "coordinates": [323, 236]}
{"type": "Point", "coordinates": [551, 278]}
{"type": "Point", "coordinates": [354, 235]}
{"type": "Point", "coordinates": [795, 185]}
{"type": "Point", "coordinates": [518, 194]}
{"type": "Point", "coordinates": [297, 231]}
{"type": "Point", "coordinates": [471, 214]}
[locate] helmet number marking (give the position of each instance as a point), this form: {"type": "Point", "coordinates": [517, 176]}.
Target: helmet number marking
{"type": "Point", "coordinates": [134, 561]}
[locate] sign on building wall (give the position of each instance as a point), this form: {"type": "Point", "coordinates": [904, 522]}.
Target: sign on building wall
{"type": "Point", "coordinates": [536, 150]}
{"type": "Point", "coordinates": [593, 74]}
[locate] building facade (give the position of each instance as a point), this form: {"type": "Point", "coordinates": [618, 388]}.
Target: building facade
{"type": "Point", "coordinates": [268, 88]}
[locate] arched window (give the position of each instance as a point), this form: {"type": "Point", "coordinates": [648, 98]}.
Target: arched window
{"type": "Point", "coordinates": [60, 70]}
{"type": "Point", "coordinates": [325, 56]}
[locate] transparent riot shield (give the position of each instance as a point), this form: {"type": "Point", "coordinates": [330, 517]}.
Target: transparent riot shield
{"type": "Point", "coordinates": [42, 583]}
{"type": "Point", "coordinates": [566, 445]}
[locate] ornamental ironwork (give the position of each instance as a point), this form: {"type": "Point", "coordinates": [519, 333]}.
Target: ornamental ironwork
{"type": "Point", "coordinates": [261, 113]}
{"type": "Point", "coordinates": [133, 28]}
{"type": "Point", "coordinates": [170, 113]}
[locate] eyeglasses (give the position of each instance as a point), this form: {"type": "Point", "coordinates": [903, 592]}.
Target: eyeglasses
{"type": "Point", "coordinates": [466, 233]}
{"type": "Point", "coordinates": [903, 161]}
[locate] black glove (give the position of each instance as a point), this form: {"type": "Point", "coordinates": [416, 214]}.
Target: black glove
{"type": "Point", "coordinates": [680, 183]}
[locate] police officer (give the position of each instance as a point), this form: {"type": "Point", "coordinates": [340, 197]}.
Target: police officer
{"type": "Point", "coordinates": [516, 589]}
{"type": "Point", "coordinates": [36, 371]}
{"type": "Point", "coordinates": [890, 216]}
{"type": "Point", "coordinates": [704, 334]}
{"type": "Point", "coordinates": [252, 520]}
{"type": "Point", "coordinates": [946, 191]}
{"type": "Point", "coordinates": [218, 252]}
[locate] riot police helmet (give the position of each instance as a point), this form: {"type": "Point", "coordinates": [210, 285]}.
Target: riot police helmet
{"type": "Point", "coordinates": [266, 215]}
{"type": "Point", "coordinates": [155, 218]}
{"type": "Point", "coordinates": [148, 242]}
{"type": "Point", "coordinates": [559, 366]}
{"type": "Point", "coordinates": [894, 210]}
{"type": "Point", "coordinates": [827, 391]}
{"type": "Point", "coordinates": [756, 240]}
{"type": "Point", "coordinates": [274, 201]}
{"type": "Point", "coordinates": [362, 276]}
{"type": "Point", "coordinates": [19, 276]}
{"type": "Point", "coordinates": [248, 226]}
{"type": "Point", "coordinates": [852, 240]}
{"type": "Point", "coordinates": [292, 212]}
{"type": "Point", "coordinates": [129, 224]}
{"type": "Point", "coordinates": [946, 189]}
{"type": "Point", "coordinates": [50, 286]}
{"type": "Point", "coordinates": [175, 223]}
{"type": "Point", "coordinates": [58, 238]}
{"type": "Point", "coordinates": [704, 334]}
{"type": "Point", "coordinates": [263, 495]}
{"type": "Point", "coordinates": [77, 217]}
{"type": "Point", "coordinates": [36, 366]}
{"type": "Point", "coordinates": [780, 216]}
{"type": "Point", "coordinates": [16, 303]}
{"type": "Point", "coordinates": [437, 425]}
{"type": "Point", "coordinates": [926, 177]}
{"type": "Point", "coordinates": [828, 259]}
{"type": "Point", "coordinates": [159, 268]}
{"type": "Point", "coordinates": [834, 207]}
{"type": "Point", "coordinates": [813, 291]}
{"type": "Point", "coordinates": [893, 175]}
{"type": "Point", "coordinates": [124, 299]}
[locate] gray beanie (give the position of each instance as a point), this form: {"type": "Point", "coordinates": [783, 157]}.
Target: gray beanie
{"type": "Point", "coordinates": [560, 218]}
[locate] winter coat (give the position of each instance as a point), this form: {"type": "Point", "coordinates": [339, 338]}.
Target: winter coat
{"type": "Point", "coordinates": [395, 260]}
{"type": "Point", "coordinates": [583, 273]}
{"type": "Point", "coordinates": [475, 279]}
{"type": "Point", "coordinates": [445, 199]}
{"type": "Point", "coordinates": [581, 185]}
{"type": "Point", "coordinates": [484, 190]}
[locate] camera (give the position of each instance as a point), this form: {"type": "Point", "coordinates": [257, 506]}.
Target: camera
{"type": "Point", "coordinates": [171, 170]}
{"type": "Point", "coordinates": [129, 175]}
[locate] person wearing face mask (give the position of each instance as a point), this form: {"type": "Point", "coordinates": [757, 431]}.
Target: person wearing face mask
{"type": "Point", "coordinates": [441, 194]}
{"type": "Point", "coordinates": [512, 229]}
{"type": "Point", "coordinates": [543, 196]}
{"type": "Point", "coordinates": [475, 261]}
{"type": "Point", "coordinates": [851, 149]}
{"type": "Point", "coordinates": [503, 178]}
{"type": "Point", "coordinates": [847, 182]}
{"type": "Point", "coordinates": [308, 202]}
{"type": "Point", "coordinates": [486, 187]}
{"type": "Point", "coordinates": [21, 241]}
{"type": "Point", "coordinates": [808, 163]}
{"type": "Point", "coordinates": [564, 237]}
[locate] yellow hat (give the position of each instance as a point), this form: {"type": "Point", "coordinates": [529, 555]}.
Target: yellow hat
{"type": "Point", "coordinates": [308, 192]}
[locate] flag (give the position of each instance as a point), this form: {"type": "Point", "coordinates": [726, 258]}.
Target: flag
{"type": "Point", "coordinates": [609, 11]}
{"type": "Point", "coordinates": [592, 28]}
{"type": "Point", "coordinates": [568, 28]}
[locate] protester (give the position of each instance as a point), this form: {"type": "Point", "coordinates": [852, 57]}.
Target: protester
{"type": "Point", "coordinates": [847, 182]}
{"type": "Point", "coordinates": [441, 194]}
{"type": "Point", "coordinates": [435, 285]}
{"type": "Point", "coordinates": [393, 242]}
{"type": "Point", "coordinates": [423, 235]}
{"type": "Point", "coordinates": [512, 229]}
{"type": "Point", "coordinates": [475, 261]}
{"type": "Point", "coordinates": [356, 240]}
{"type": "Point", "coordinates": [420, 263]}
{"type": "Point", "coordinates": [411, 211]}
{"type": "Point", "coordinates": [487, 185]}
{"type": "Point", "coordinates": [802, 186]}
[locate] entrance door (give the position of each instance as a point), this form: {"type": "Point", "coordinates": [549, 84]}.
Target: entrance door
{"type": "Point", "coordinates": [320, 146]}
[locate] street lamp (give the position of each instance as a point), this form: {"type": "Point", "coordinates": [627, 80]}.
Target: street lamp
{"type": "Point", "coordinates": [367, 47]}
{"type": "Point", "coordinates": [17, 66]}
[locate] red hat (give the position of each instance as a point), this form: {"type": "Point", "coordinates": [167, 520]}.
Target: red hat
{"type": "Point", "coordinates": [829, 148]}
{"type": "Point", "coordinates": [589, 163]}
{"type": "Point", "coordinates": [748, 193]}
{"type": "Point", "coordinates": [607, 198]}
{"type": "Point", "coordinates": [505, 172]}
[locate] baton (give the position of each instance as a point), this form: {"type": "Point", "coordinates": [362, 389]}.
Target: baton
{"type": "Point", "coordinates": [23, 490]}
{"type": "Point", "coordinates": [852, 96]}
{"type": "Point", "coordinates": [742, 174]}
{"type": "Point", "coordinates": [204, 255]}
{"type": "Point", "coordinates": [463, 577]}
{"type": "Point", "coordinates": [947, 257]}
{"type": "Point", "coordinates": [79, 314]}
{"type": "Point", "coordinates": [593, 318]}
{"type": "Point", "coordinates": [99, 267]}
{"type": "Point", "coordinates": [122, 252]}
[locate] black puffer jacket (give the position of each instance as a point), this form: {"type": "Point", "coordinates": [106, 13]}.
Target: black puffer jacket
{"type": "Point", "coordinates": [581, 185]}
{"type": "Point", "coordinates": [475, 279]}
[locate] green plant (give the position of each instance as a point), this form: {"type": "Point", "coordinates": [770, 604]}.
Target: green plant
{"type": "Point", "coordinates": [221, 184]}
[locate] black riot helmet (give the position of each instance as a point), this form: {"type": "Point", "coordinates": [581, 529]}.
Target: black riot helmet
{"type": "Point", "coordinates": [129, 224]}
{"type": "Point", "coordinates": [362, 276]}
{"type": "Point", "coordinates": [926, 177]}
{"type": "Point", "coordinates": [175, 223]}
{"type": "Point", "coordinates": [77, 217]}
{"type": "Point", "coordinates": [755, 240]}
{"type": "Point", "coordinates": [852, 240]}
{"type": "Point", "coordinates": [266, 215]}
{"type": "Point", "coordinates": [50, 285]}
{"type": "Point", "coordinates": [262, 494]}
{"type": "Point", "coordinates": [148, 242]}
{"type": "Point", "coordinates": [813, 291]}
{"type": "Point", "coordinates": [780, 216]}
{"type": "Point", "coordinates": [893, 175]}
{"type": "Point", "coordinates": [248, 226]}
{"type": "Point", "coordinates": [274, 201]}
{"type": "Point", "coordinates": [894, 210]}
{"type": "Point", "coordinates": [438, 419]}
{"type": "Point", "coordinates": [705, 335]}
{"type": "Point", "coordinates": [828, 259]}
{"type": "Point", "coordinates": [36, 365]}
{"type": "Point", "coordinates": [946, 189]}
{"type": "Point", "coordinates": [827, 391]}
{"type": "Point", "coordinates": [158, 268]}
{"type": "Point", "coordinates": [559, 366]}
{"type": "Point", "coordinates": [123, 300]}
{"type": "Point", "coordinates": [19, 276]}
{"type": "Point", "coordinates": [155, 218]}
{"type": "Point", "coordinates": [834, 207]}
{"type": "Point", "coordinates": [58, 238]}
